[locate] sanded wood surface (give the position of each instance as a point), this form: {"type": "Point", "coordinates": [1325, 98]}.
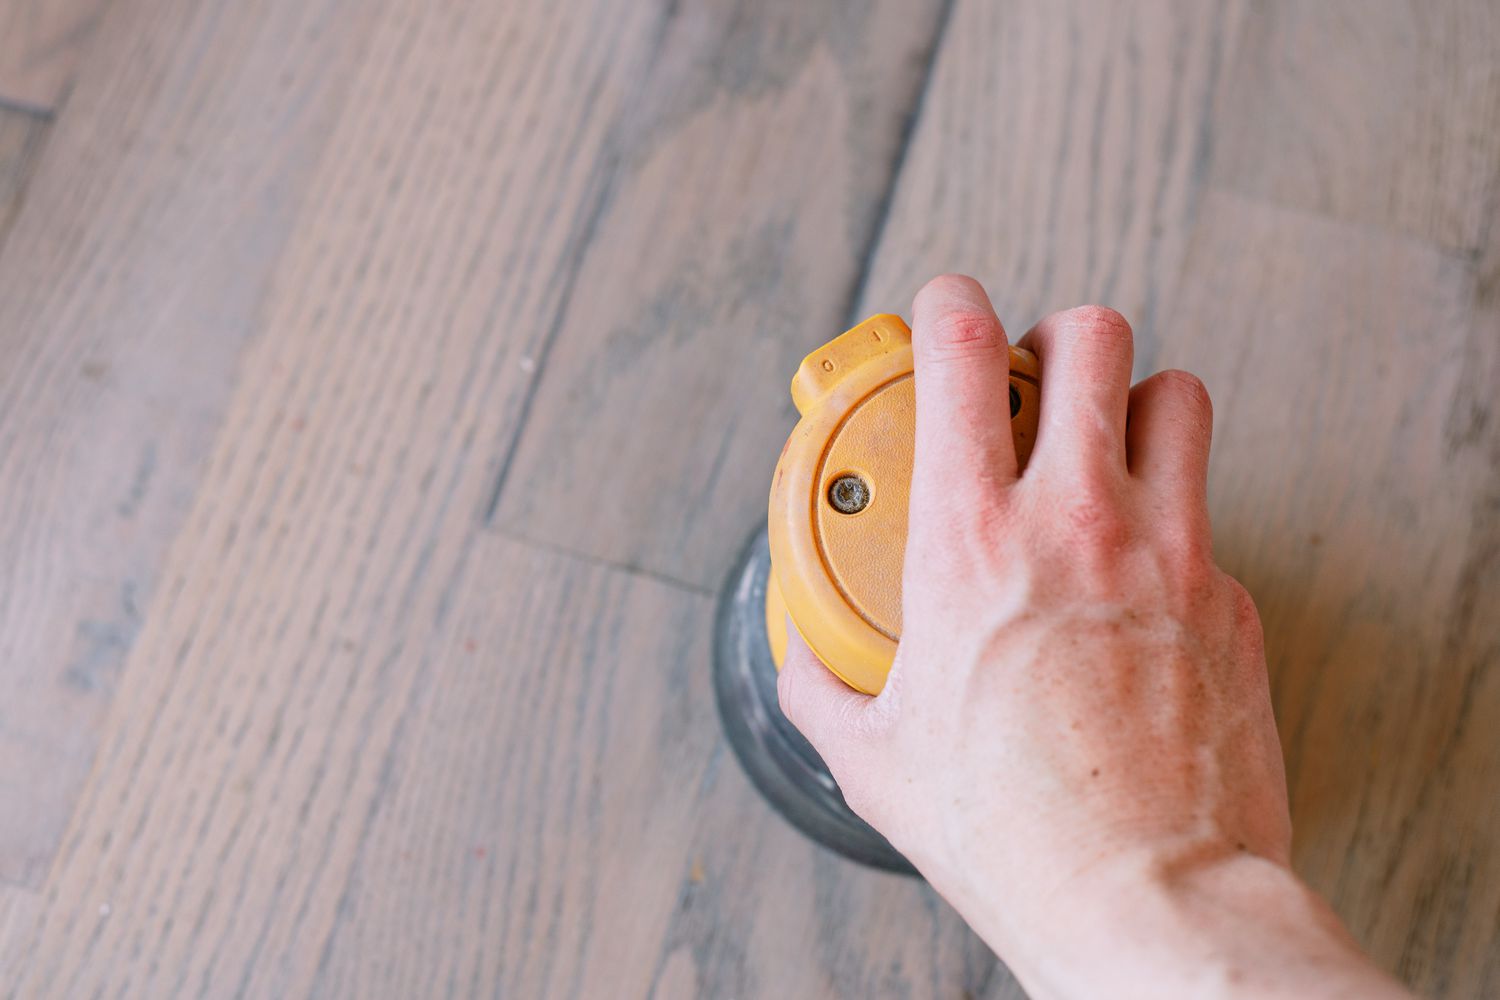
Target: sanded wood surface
{"type": "Point", "coordinates": [41, 45]}
{"type": "Point", "coordinates": [1352, 341]}
{"type": "Point", "coordinates": [1060, 156]}
{"type": "Point", "coordinates": [133, 274]}
{"type": "Point", "coordinates": [296, 611]}
{"type": "Point", "coordinates": [1361, 369]}
{"type": "Point", "coordinates": [18, 908]}
{"type": "Point", "coordinates": [752, 186]}
{"type": "Point", "coordinates": [1383, 112]}
{"type": "Point", "coordinates": [388, 386]}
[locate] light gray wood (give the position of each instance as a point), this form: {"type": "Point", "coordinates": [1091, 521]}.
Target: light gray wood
{"type": "Point", "coordinates": [41, 44]}
{"type": "Point", "coordinates": [294, 287]}
{"type": "Point", "coordinates": [134, 273]}
{"type": "Point", "coordinates": [732, 242]}
{"type": "Point", "coordinates": [1382, 112]}
{"type": "Point", "coordinates": [531, 837]}
{"type": "Point", "coordinates": [18, 908]}
{"type": "Point", "coordinates": [1355, 476]}
{"type": "Point", "coordinates": [1359, 500]}
{"type": "Point", "coordinates": [1060, 156]}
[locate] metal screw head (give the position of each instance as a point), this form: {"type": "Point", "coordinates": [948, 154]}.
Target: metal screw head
{"type": "Point", "coordinates": [849, 494]}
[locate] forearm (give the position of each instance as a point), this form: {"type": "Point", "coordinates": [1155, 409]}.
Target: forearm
{"type": "Point", "coordinates": [1235, 927]}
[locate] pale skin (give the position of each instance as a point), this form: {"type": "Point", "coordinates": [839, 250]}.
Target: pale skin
{"type": "Point", "coordinates": [1075, 745]}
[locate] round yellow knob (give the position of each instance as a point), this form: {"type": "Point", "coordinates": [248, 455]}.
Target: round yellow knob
{"type": "Point", "coordinates": [837, 516]}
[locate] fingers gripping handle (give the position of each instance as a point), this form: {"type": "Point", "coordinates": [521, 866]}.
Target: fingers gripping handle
{"type": "Point", "coordinates": [838, 504]}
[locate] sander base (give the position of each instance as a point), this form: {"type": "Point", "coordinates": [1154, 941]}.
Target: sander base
{"type": "Point", "coordinates": [780, 762]}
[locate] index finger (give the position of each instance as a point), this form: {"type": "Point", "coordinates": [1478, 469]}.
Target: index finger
{"type": "Point", "coordinates": [962, 360]}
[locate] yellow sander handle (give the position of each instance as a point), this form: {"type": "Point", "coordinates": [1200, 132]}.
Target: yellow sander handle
{"type": "Point", "coordinates": [839, 497]}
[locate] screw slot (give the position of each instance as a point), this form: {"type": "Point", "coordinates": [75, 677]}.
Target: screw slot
{"type": "Point", "coordinates": [1015, 401]}
{"type": "Point", "coordinates": [849, 494]}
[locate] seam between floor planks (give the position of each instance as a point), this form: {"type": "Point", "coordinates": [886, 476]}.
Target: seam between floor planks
{"type": "Point", "coordinates": [23, 140]}
{"type": "Point", "coordinates": [36, 111]}
{"type": "Point", "coordinates": [585, 559]}
{"type": "Point", "coordinates": [804, 196]}
{"type": "Point", "coordinates": [859, 286]}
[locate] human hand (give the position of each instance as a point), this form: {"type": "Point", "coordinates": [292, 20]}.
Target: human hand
{"type": "Point", "coordinates": [1077, 726]}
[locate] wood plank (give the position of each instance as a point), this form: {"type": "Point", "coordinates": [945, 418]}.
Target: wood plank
{"type": "Point", "coordinates": [132, 277]}
{"type": "Point", "coordinates": [1377, 111]}
{"type": "Point", "coordinates": [578, 829]}
{"type": "Point", "coordinates": [533, 841]}
{"type": "Point", "coordinates": [21, 137]}
{"type": "Point", "coordinates": [1060, 157]}
{"type": "Point", "coordinates": [1355, 484]}
{"type": "Point", "coordinates": [306, 598]}
{"type": "Point", "coordinates": [41, 45]}
{"type": "Point", "coordinates": [732, 243]}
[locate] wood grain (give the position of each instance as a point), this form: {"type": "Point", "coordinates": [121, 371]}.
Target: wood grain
{"type": "Point", "coordinates": [1383, 112]}
{"type": "Point", "coordinates": [18, 909]}
{"type": "Point", "coordinates": [388, 385]}
{"type": "Point", "coordinates": [1060, 157]}
{"type": "Point", "coordinates": [732, 243]}
{"type": "Point", "coordinates": [41, 45]}
{"type": "Point", "coordinates": [1355, 490]}
{"type": "Point", "coordinates": [1374, 548]}
{"type": "Point", "coordinates": [564, 712]}
{"type": "Point", "coordinates": [133, 275]}
{"type": "Point", "coordinates": [306, 594]}
{"type": "Point", "coordinates": [21, 138]}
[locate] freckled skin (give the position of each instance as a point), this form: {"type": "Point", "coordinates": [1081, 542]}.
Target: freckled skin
{"type": "Point", "coordinates": [1075, 744]}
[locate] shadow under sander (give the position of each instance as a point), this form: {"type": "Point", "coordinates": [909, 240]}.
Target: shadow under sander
{"type": "Point", "coordinates": [830, 558]}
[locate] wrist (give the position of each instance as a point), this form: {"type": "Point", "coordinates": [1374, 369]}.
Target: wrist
{"type": "Point", "coordinates": [1227, 926]}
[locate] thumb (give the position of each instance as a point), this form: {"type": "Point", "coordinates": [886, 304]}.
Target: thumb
{"type": "Point", "coordinates": [823, 708]}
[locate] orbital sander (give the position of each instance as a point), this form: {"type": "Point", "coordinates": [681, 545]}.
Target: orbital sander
{"type": "Point", "coordinates": [830, 560]}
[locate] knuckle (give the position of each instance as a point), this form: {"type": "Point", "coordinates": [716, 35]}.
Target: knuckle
{"type": "Point", "coordinates": [1189, 574]}
{"type": "Point", "coordinates": [1096, 338]}
{"type": "Point", "coordinates": [1093, 521]}
{"type": "Point", "coordinates": [1247, 620]}
{"type": "Point", "coordinates": [1189, 388]}
{"type": "Point", "coordinates": [1244, 603]}
{"type": "Point", "coordinates": [961, 333]}
{"type": "Point", "coordinates": [1098, 322]}
{"type": "Point", "coordinates": [952, 528]}
{"type": "Point", "coordinates": [1191, 551]}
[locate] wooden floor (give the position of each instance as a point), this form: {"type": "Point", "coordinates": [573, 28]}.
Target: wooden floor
{"type": "Point", "coordinates": [386, 386]}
